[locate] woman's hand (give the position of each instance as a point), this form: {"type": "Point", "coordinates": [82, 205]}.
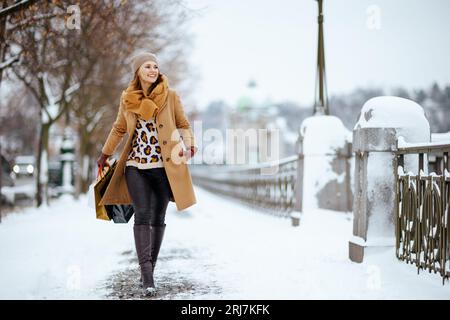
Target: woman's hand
{"type": "Point", "coordinates": [188, 153]}
{"type": "Point", "coordinates": [101, 161]}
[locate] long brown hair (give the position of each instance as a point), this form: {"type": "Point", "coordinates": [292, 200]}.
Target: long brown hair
{"type": "Point", "coordinates": [136, 83]}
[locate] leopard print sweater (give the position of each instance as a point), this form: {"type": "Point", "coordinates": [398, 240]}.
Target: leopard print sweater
{"type": "Point", "coordinates": [145, 152]}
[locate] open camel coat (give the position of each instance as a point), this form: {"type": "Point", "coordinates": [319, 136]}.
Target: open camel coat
{"type": "Point", "coordinates": [173, 130]}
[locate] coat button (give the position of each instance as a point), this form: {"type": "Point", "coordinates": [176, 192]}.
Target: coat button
{"type": "Point", "coordinates": [164, 142]}
{"type": "Point", "coordinates": [160, 125]}
{"type": "Point", "coordinates": [167, 159]}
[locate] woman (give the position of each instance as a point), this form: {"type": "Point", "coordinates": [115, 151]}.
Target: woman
{"type": "Point", "coordinates": [152, 168]}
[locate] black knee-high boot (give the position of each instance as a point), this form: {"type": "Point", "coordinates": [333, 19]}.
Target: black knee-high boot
{"type": "Point", "coordinates": [156, 235]}
{"type": "Point", "coordinates": [142, 240]}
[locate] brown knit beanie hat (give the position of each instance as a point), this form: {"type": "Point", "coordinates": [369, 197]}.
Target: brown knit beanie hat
{"type": "Point", "coordinates": [138, 59]}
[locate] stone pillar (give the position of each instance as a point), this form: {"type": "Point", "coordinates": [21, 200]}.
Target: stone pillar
{"type": "Point", "coordinates": [299, 176]}
{"type": "Point", "coordinates": [67, 163]}
{"type": "Point", "coordinates": [382, 120]}
{"type": "Point", "coordinates": [326, 158]}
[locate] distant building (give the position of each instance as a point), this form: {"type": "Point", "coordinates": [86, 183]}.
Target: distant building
{"type": "Point", "coordinates": [254, 114]}
{"type": "Point", "coordinates": [256, 111]}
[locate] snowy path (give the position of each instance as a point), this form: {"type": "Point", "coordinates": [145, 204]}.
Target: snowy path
{"type": "Point", "coordinates": [251, 255]}
{"type": "Point", "coordinates": [216, 249]}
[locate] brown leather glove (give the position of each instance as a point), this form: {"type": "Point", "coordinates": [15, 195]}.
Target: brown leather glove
{"type": "Point", "coordinates": [101, 161]}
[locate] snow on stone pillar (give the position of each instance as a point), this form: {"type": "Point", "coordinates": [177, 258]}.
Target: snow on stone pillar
{"type": "Point", "coordinates": [67, 162]}
{"type": "Point", "coordinates": [325, 146]}
{"type": "Point", "coordinates": [381, 121]}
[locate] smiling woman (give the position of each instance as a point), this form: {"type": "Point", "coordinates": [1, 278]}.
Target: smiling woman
{"type": "Point", "coordinates": [149, 72]}
{"type": "Point", "coordinates": [148, 173]}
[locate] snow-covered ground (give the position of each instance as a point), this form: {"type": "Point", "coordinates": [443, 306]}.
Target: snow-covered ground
{"type": "Point", "coordinates": [63, 252]}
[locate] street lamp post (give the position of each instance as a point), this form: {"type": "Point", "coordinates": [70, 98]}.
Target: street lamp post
{"type": "Point", "coordinates": [321, 95]}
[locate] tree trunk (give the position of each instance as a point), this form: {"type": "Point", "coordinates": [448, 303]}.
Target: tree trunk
{"type": "Point", "coordinates": [80, 161]}
{"type": "Point", "coordinates": [87, 180]}
{"type": "Point", "coordinates": [2, 42]}
{"type": "Point", "coordinates": [42, 168]}
{"type": "Point", "coordinates": [83, 177]}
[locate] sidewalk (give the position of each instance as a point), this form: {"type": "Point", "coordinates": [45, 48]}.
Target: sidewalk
{"type": "Point", "coordinates": [216, 249]}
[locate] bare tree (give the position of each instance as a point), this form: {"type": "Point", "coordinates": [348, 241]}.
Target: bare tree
{"type": "Point", "coordinates": [132, 26]}
{"type": "Point", "coordinates": [80, 73]}
{"type": "Point", "coordinates": [7, 9]}
{"type": "Point", "coordinates": [47, 69]}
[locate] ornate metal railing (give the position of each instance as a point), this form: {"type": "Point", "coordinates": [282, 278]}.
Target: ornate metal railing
{"type": "Point", "coordinates": [422, 210]}
{"type": "Point", "coordinates": [274, 193]}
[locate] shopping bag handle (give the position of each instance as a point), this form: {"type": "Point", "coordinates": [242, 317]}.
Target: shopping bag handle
{"type": "Point", "coordinates": [100, 172]}
{"type": "Point", "coordinates": [100, 168]}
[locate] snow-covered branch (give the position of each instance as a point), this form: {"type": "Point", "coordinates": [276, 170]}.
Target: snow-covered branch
{"type": "Point", "coordinates": [60, 63]}
{"type": "Point", "coordinates": [21, 5]}
{"type": "Point", "coordinates": [25, 22]}
{"type": "Point", "coordinates": [5, 64]}
{"type": "Point", "coordinates": [53, 108]}
{"type": "Point", "coordinates": [71, 90]}
{"type": "Point", "coordinates": [97, 117]}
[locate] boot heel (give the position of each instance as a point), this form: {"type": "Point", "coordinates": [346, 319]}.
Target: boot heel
{"type": "Point", "coordinates": [149, 292]}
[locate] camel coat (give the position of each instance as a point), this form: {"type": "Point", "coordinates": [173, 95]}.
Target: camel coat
{"type": "Point", "coordinates": [174, 130]}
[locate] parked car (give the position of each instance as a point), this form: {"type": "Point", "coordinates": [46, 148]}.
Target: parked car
{"type": "Point", "coordinates": [24, 165]}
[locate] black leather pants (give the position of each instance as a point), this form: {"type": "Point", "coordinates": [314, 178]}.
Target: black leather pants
{"type": "Point", "coordinates": [150, 192]}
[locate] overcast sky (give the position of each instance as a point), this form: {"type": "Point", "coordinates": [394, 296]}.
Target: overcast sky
{"type": "Point", "coordinates": [385, 43]}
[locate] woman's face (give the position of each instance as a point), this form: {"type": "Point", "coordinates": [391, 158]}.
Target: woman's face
{"type": "Point", "coordinates": [148, 71]}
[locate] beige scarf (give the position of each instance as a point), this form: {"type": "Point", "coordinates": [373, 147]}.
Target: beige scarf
{"type": "Point", "coordinates": [145, 106]}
